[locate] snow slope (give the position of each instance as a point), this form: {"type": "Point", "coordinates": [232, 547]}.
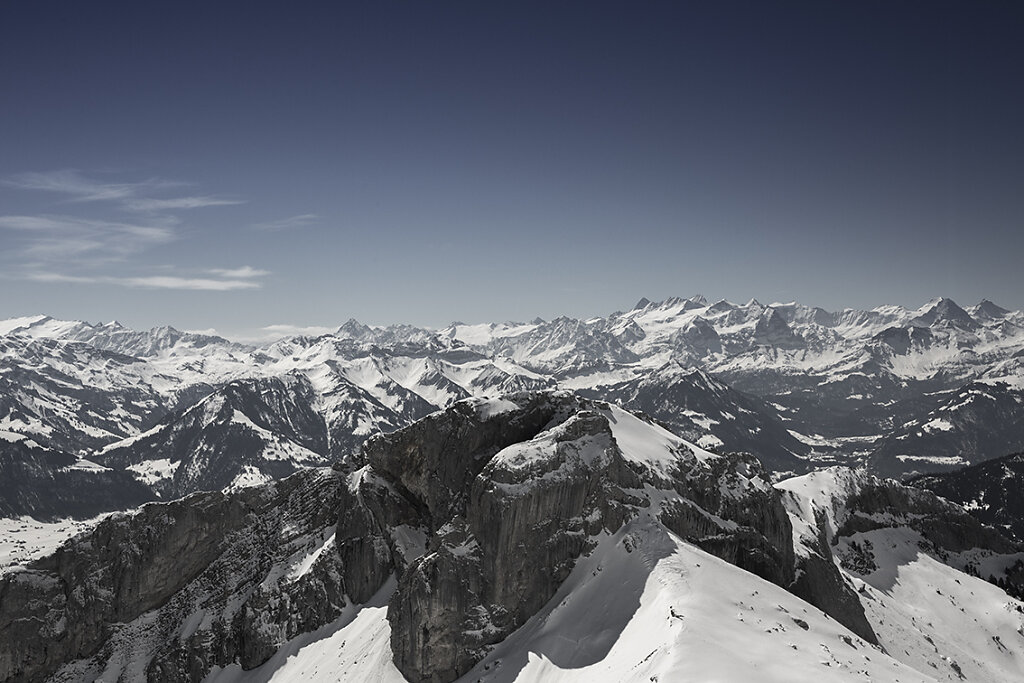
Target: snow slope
{"type": "Point", "coordinates": [643, 606]}
{"type": "Point", "coordinates": [925, 612]}
{"type": "Point", "coordinates": [24, 539]}
{"type": "Point", "coordinates": [355, 647]}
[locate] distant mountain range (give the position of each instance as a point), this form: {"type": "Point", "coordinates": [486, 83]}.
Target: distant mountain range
{"type": "Point", "coordinates": [901, 391]}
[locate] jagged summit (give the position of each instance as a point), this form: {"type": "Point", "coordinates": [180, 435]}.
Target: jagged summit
{"type": "Point", "coordinates": [642, 304]}
{"type": "Point", "coordinates": [674, 367]}
{"type": "Point", "coordinates": [986, 310]}
{"type": "Point", "coordinates": [943, 311]}
{"type": "Point", "coordinates": [772, 329]}
{"type": "Point", "coordinates": [720, 306]}
{"type": "Point", "coordinates": [353, 329]}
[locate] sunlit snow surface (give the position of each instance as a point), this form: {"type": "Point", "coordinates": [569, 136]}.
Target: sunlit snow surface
{"type": "Point", "coordinates": [24, 539]}
{"type": "Point", "coordinates": [355, 647]}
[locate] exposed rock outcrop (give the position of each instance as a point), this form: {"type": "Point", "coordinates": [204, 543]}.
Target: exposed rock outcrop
{"type": "Point", "coordinates": [513, 493]}
{"type": "Point", "coordinates": [208, 580]}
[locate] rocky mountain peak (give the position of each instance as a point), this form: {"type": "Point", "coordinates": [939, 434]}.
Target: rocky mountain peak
{"type": "Point", "coordinates": [642, 304]}
{"type": "Point", "coordinates": [353, 329]}
{"type": "Point", "coordinates": [986, 310]}
{"type": "Point", "coordinates": [721, 306]}
{"type": "Point", "coordinates": [673, 369]}
{"type": "Point", "coordinates": [944, 312]}
{"type": "Point", "coordinates": [772, 329]}
{"type": "Point", "coordinates": [513, 491]}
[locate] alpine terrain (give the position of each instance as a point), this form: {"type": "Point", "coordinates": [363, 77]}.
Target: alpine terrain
{"type": "Point", "coordinates": [688, 490]}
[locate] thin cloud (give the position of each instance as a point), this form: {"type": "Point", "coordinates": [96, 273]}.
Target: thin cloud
{"type": "Point", "coordinates": [76, 250]}
{"type": "Point", "coordinates": [240, 273]}
{"type": "Point", "coordinates": [59, 238]}
{"type": "Point", "coordinates": [135, 196]}
{"type": "Point", "coordinates": [83, 189]}
{"type": "Point", "coordinates": [151, 282]}
{"type": "Point", "coordinates": [168, 282]}
{"type": "Point", "coordinates": [298, 329]}
{"type": "Point", "coordinates": [178, 203]}
{"type": "Point", "coordinates": [272, 332]}
{"type": "Point", "coordinates": [291, 223]}
{"type": "Point", "coordinates": [70, 224]}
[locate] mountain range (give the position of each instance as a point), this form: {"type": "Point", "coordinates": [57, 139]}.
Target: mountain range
{"type": "Point", "coordinates": [900, 391]}
{"type": "Point", "coordinates": [683, 491]}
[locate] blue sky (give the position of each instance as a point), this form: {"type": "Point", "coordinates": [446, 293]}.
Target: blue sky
{"type": "Point", "coordinates": [241, 165]}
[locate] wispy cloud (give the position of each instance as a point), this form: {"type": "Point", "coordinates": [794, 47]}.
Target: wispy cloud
{"type": "Point", "coordinates": [108, 251]}
{"type": "Point", "coordinates": [241, 273]}
{"type": "Point", "coordinates": [298, 329]}
{"type": "Point", "coordinates": [83, 189]}
{"type": "Point", "coordinates": [290, 223]}
{"type": "Point", "coordinates": [137, 196]}
{"type": "Point", "coordinates": [57, 238]}
{"type": "Point", "coordinates": [178, 203]}
{"type": "Point", "coordinates": [47, 247]}
{"type": "Point", "coordinates": [272, 333]}
{"type": "Point", "coordinates": [150, 281]}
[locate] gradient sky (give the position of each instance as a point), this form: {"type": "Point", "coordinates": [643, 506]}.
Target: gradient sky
{"type": "Point", "coordinates": [238, 165]}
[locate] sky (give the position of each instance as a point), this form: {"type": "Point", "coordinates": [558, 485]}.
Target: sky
{"type": "Point", "coordinates": [249, 166]}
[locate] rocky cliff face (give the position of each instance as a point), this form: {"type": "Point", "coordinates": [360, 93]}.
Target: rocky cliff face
{"type": "Point", "coordinates": [510, 494]}
{"type": "Point", "coordinates": [176, 588]}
